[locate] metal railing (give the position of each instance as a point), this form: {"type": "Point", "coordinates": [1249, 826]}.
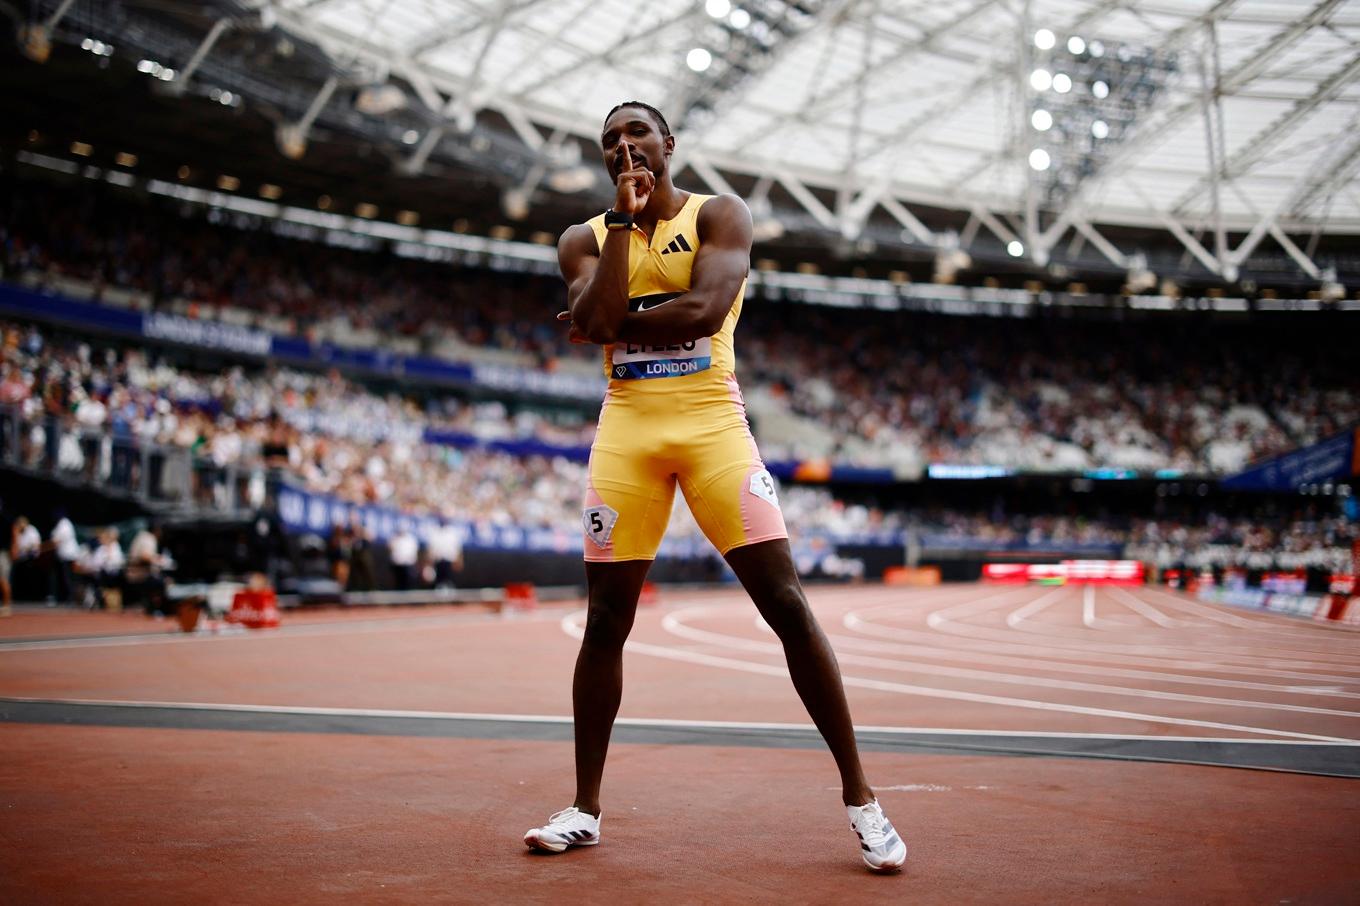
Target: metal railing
{"type": "Point", "coordinates": [160, 475]}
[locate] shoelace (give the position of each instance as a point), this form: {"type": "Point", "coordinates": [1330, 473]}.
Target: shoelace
{"type": "Point", "coordinates": [562, 816]}
{"type": "Point", "coordinates": [871, 825]}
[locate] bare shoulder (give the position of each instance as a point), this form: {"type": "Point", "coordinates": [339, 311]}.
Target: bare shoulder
{"type": "Point", "coordinates": [576, 240]}
{"type": "Point", "coordinates": [726, 217]}
{"type": "Point", "coordinates": [725, 207]}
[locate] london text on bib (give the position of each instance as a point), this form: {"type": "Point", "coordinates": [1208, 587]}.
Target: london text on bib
{"type": "Point", "coordinates": [635, 360]}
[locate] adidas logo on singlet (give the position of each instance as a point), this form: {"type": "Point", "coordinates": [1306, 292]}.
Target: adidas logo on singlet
{"type": "Point", "coordinates": [678, 244]}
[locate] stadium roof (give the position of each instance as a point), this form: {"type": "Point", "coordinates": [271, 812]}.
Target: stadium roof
{"type": "Point", "coordinates": [1192, 115]}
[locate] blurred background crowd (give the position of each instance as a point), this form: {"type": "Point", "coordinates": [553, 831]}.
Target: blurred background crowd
{"type": "Point", "coordinates": [864, 387]}
{"type": "Point", "coordinates": [861, 388]}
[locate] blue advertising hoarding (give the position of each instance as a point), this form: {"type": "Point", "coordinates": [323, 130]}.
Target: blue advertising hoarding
{"type": "Point", "coordinates": [1333, 459]}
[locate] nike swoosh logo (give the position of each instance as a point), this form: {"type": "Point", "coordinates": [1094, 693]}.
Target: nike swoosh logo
{"type": "Point", "coordinates": [647, 303]}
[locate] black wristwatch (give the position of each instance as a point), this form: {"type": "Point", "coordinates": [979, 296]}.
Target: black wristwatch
{"type": "Point", "coordinates": [613, 220]}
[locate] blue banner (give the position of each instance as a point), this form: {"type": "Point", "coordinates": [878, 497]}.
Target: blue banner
{"type": "Point", "coordinates": [1328, 460]}
{"type": "Point", "coordinates": [522, 447]}
{"type": "Point", "coordinates": [303, 512]}
{"type": "Point", "coordinates": [206, 334]}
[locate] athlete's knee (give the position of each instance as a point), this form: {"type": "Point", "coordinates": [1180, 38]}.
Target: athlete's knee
{"type": "Point", "coordinates": [785, 608]}
{"type": "Point", "coordinates": [607, 625]}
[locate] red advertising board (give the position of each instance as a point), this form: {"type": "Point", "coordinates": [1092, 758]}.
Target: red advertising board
{"type": "Point", "coordinates": [1086, 572]}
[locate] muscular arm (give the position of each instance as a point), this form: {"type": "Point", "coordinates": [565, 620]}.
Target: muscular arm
{"type": "Point", "coordinates": [597, 281]}
{"type": "Point", "coordinates": [720, 266]}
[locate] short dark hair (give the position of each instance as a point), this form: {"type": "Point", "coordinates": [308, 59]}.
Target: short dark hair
{"type": "Point", "coordinates": [655, 114]}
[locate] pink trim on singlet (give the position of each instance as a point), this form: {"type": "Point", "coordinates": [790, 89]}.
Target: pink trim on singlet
{"type": "Point", "coordinates": [760, 520]}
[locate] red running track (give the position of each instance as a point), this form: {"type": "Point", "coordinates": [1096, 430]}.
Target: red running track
{"type": "Point", "coordinates": [373, 756]}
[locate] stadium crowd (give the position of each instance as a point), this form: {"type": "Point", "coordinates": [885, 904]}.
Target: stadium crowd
{"type": "Point", "coordinates": [1218, 541]}
{"type": "Point", "coordinates": [78, 407]}
{"type": "Point", "coordinates": [860, 387]}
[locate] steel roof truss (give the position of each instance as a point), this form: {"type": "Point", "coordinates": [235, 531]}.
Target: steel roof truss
{"type": "Point", "coordinates": [629, 41]}
{"type": "Point", "coordinates": [459, 28]}
{"type": "Point", "coordinates": [814, 206]}
{"type": "Point", "coordinates": [1252, 154]}
{"type": "Point", "coordinates": [715, 181]}
{"type": "Point", "coordinates": [1101, 244]}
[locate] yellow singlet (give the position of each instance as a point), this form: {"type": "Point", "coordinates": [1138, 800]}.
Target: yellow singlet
{"type": "Point", "coordinates": [673, 414]}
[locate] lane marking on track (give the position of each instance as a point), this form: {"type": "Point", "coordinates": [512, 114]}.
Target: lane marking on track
{"type": "Point", "coordinates": [1213, 643]}
{"type": "Point", "coordinates": [305, 630]}
{"type": "Point", "coordinates": [965, 637]}
{"type": "Point", "coordinates": [674, 623]}
{"type": "Point", "coordinates": [1338, 638]}
{"type": "Point", "coordinates": [1165, 650]}
{"type": "Point", "coordinates": [652, 721]}
{"type": "Point", "coordinates": [1088, 613]}
{"type": "Point", "coordinates": [573, 625]}
{"type": "Point", "coordinates": [1068, 658]}
{"type": "Point", "coordinates": [1052, 654]}
{"type": "Point", "coordinates": [986, 656]}
{"type": "Point", "coordinates": [1015, 618]}
{"type": "Point", "coordinates": [1142, 608]}
{"type": "Point", "coordinates": [973, 608]}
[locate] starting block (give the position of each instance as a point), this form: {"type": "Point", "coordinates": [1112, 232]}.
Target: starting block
{"type": "Point", "coordinates": [254, 608]}
{"type": "Point", "coordinates": [520, 597]}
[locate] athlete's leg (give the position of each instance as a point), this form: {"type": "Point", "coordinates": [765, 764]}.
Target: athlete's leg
{"type": "Point", "coordinates": [767, 573]}
{"type": "Point", "coordinates": [628, 500]}
{"type": "Point", "coordinates": [598, 683]}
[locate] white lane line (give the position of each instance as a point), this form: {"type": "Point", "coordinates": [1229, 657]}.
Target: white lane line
{"type": "Point", "coordinates": [572, 624]}
{"type": "Point", "coordinates": [1165, 649]}
{"type": "Point", "coordinates": [306, 630]}
{"type": "Point", "coordinates": [1214, 643]}
{"type": "Point", "coordinates": [1142, 608]}
{"type": "Point", "coordinates": [1015, 618]}
{"type": "Point", "coordinates": [969, 608]}
{"type": "Point", "coordinates": [650, 721]}
{"type": "Point", "coordinates": [976, 640]}
{"type": "Point", "coordinates": [1294, 631]}
{"type": "Point", "coordinates": [985, 653]}
{"type": "Point", "coordinates": [1219, 616]}
{"type": "Point", "coordinates": [1091, 621]}
{"type": "Point", "coordinates": [935, 652]}
{"type": "Point", "coordinates": [1335, 638]}
{"type": "Point", "coordinates": [971, 637]}
{"type": "Point", "coordinates": [674, 623]}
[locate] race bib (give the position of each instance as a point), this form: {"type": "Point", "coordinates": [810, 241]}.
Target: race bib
{"type": "Point", "coordinates": [632, 361]}
{"type": "Point", "coordinates": [762, 485]}
{"type": "Point", "coordinates": [598, 522]}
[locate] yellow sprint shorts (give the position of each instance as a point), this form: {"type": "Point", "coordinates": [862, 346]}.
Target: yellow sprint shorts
{"type": "Point", "coordinates": [645, 446]}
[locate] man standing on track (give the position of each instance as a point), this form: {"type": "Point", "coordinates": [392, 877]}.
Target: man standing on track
{"type": "Point", "coordinates": [658, 280]}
